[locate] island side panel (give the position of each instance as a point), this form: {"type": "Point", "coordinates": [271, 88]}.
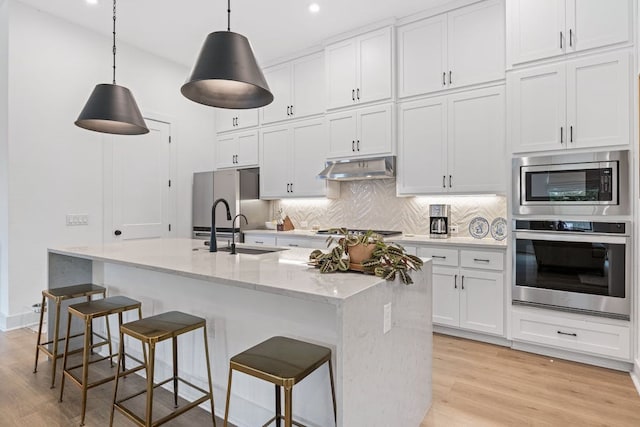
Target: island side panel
{"type": "Point", "coordinates": [65, 271]}
{"type": "Point", "coordinates": [386, 378]}
{"type": "Point", "coordinates": [237, 319]}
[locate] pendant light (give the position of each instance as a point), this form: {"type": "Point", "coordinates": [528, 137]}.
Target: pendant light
{"type": "Point", "coordinates": [226, 74]}
{"type": "Point", "coordinates": [112, 108]}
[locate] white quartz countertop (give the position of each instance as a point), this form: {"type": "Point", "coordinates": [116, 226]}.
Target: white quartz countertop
{"type": "Point", "coordinates": [284, 272]}
{"type": "Point", "coordinates": [487, 242]}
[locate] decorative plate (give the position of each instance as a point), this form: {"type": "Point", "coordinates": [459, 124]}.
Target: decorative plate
{"type": "Point", "coordinates": [479, 227]}
{"type": "Point", "coordinates": [499, 228]}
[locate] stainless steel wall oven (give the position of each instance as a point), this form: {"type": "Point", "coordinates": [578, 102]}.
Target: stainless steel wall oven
{"type": "Point", "coordinates": [580, 266]}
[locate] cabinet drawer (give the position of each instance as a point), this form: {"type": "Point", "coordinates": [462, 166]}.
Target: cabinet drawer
{"type": "Point", "coordinates": [297, 242]}
{"type": "Point", "coordinates": [586, 336]}
{"type": "Point", "coordinates": [260, 240]}
{"type": "Point", "coordinates": [440, 256]}
{"type": "Point", "coordinates": [482, 259]}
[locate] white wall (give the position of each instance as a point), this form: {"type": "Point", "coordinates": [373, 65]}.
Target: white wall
{"type": "Point", "coordinates": [56, 167]}
{"type": "Point", "coordinates": [4, 153]}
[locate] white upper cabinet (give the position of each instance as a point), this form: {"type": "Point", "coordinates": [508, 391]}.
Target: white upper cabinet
{"type": "Point", "coordinates": [453, 144]}
{"type": "Point", "coordinates": [228, 119]}
{"type": "Point", "coordinates": [359, 70]}
{"type": "Point", "coordinates": [297, 87]}
{"type": "Point", "coordinates": [580, 103]}
{"type": "Point", "coordinates": [291, 158]}
{"type": "Point", "coordinates": [456, 49]}
{"type": "Point", "coordinates": [238, 149]}
{"type": "Point", "coordinates": [546, 28]}
{"type": "Point", "coordinates": [363, 132]}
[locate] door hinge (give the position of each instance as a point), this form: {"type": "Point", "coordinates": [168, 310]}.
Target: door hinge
{"type": "Point", "coordinates": [169, 227]}
{"type": "Point", "coordinates": [169, 183]}
{"type": "Point", "coordinates": [169, 139]}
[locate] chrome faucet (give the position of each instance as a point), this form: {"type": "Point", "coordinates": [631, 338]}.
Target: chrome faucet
{"type": "Point", "coordinates": [233, 234]}
{"type": "Point", "coordinates": [213, 247]}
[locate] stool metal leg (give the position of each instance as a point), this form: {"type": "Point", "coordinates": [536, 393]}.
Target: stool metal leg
{"type": "Point", "coordinates": [64, 359]}
{"type": "Point", "coordinates": [174, 343]}
{"type": "Point", "coordinates": [150, 368]}
{"type": "Point", "coordinates": [288, 408]}
{"type": "Point", "coordinates": [333, 393]}
{"type": "Point", "coordinates": [206, 355]}
{"type": "Point", "coordinates": [35, 367]}
{"type": "Point", "coordinates": [54, 358]}
{"type": "Point", "coordinates": [226, 410]}
{"type": "Point", "coordinates": [115, 387]}
{"type": "Point", "coordinates": [278, 406]}
{"type": "Point", "coordinates": [85, 365]}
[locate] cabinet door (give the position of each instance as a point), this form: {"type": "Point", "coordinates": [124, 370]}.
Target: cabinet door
{"type": "Point", "coordinates": [309, 142]}
{"type": "Point", "coordinates": [341, 73]}
{"type": "Point", "coordinates": [246, 118]}
{"type": "Point", "coordinates": [342, 134]}
{"type": "Point", "coordinates": [446, 296]}
{"type": "Point", "coordinates": [598, 100]}
{"type": "Point", "coordinates": [279, 81]}
{"type": "Point", "coordinates": [537, 108]}
{"type": "Point", "coordinates": [225, 119]}
{"type": "Point", "coordinates": [309, 92]}
{"type": "Point", "coordinates": [476, 149]}
{"type": "Point", "coordinates": [537, 29]}
{"type": "Point", "coordinates": [374, 66]}
{"type": "Point", "coordinates": [374, 130]}
{"type": "Point", "coordinates": [247, 149]}
{"type": "Point", "coordinates": [476, 40]}
{"type": "Point", "coordinates": [422, 56]}
{"type": "Point", "coordinates": [482, 301]}
{"type": "Point", "coordinates": [226, 151]}
{"type": "Point", "coordinates": [422, 146]}
{"type": "Point", "coordinates": [275, 175]}
{"type": "Point", "coordinates": [595, 23]}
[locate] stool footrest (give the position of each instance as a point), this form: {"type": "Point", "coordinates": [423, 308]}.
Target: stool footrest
{"type": "Point", "coordinates": [295, 423]}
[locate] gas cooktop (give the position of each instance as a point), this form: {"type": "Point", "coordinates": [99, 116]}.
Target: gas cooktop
{"type": "Point", "coordinates": [384, 233]}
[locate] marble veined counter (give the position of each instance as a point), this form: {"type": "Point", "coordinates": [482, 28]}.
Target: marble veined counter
{"type": "Point", "coordinates": [380, 332]}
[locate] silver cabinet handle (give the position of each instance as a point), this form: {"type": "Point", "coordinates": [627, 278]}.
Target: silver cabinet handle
{"type": "Point", "coordinates": [444, 78]}
{"type": "Point", "coordinates": [481, 260]}
{"type": "Point", "coordinates": [444, 181]}
{"type": "Point", "coordinates": [571, 334]}
{"type": "Point", "coordinates": [462, 283]}
{"type": "Point", "coordinates": [438, 257]}
{"type": "Point", "coordinates": [455, 281]}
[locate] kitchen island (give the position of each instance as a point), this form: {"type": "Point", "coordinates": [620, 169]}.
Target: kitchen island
{"type": "Point", "coordinates": [382, 379]}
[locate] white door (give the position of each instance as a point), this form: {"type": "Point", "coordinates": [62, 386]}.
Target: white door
{"type": "Point", "coordinates": [279, 81]}
{"type": "Point", "coordinates": [537, 108]}
{"type": "Point", "coordinates": [341, 73]}
{"type": "Point", "coordinates": [140, 176]}
{"type": "Point", "coordinates": [482, 301]}
{"type": "Point", "coordinates": [476, 40]}
{"type": "Point", "coordinates": [309, 147]}
{"type": "Point", "coordinates": [374, 66]}
{"type": "Point", "coordinates": [226, 150]}
{"type": "Point", "coordinates": [595, 23]}
{"type": "Point", "coordinates": [374, 130]}
{"type": "Point", "coordinates": [247, 149]}
{"type": "Point", "coordinates": [598, 99]}
{"type": "Point", "coordinates": [446, 296]}
{"type": "Point", "coordinates": [422, 146]}
{"type": "Point", "coordinates": [537, 29]}
{"type": "Point", "coordinates": [342, 134]}
{"type": "Point", "coordinates": [422, 56]}
{"type": "Point", "coordinates": [309, 92]}
{"type": "Point", "coordinates": [275, 176]}
{"type": "Point", "coordinates": [477, 150]}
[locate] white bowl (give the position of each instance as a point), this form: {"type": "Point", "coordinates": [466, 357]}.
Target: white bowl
{"type": "Point", "coordinates": [270, 225]}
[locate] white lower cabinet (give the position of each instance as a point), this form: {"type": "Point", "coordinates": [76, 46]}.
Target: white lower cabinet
{"type": "Point", "coordinates": [464, 297]}
{"type": "Point", "coordinates": [574, 332]}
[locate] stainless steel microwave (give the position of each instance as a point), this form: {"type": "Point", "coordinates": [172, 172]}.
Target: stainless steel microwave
{"type": "Point", "coordinates": [572, 184]}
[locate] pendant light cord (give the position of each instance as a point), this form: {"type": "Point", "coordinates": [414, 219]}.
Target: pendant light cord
{"type": "Point", "coordinates": [114, 41]}
{"type": "Point", "coordinates": [228, 15]}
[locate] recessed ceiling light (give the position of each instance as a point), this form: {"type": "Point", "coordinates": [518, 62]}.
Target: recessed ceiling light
{"type": "Point", "coordinates": [92, 2]}
{"type": "Point", "coordinates": [314, 8]}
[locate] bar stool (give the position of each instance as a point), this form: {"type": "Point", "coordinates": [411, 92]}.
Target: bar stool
{"type": "Point", "coordinates": [150, 331]}
{"type": "Point", "coordinates": [57, 295]}
{"type": "Point", "coordinates": [284, 362]}
{"type": "Point", "coordinates": [87, 312]}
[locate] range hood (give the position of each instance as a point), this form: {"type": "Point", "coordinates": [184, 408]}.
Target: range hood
{"type": "Point", "coordinates": [356, 169]}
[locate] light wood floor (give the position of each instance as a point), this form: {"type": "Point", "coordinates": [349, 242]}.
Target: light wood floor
{"type": "Point", "coordinates": [474, 384]}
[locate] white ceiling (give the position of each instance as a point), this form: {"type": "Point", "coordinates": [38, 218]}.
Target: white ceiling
{"type": "Point", "coordinates": [176, 29]}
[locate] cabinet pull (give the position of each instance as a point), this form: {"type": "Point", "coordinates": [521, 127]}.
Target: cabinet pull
{"type": "Point", "coordinates": [353, 145]}
{"type": "Point", "coordinates": [353, 94]}
{"type": "Point", "coordinates": [450, 182]}
{"type": "Point", "coordinates": [293, 245]}
{"type": "Point", "coordinates": [560, 39]}
{"type": "Point", "coordinates": [292, 110]}
{"type": "Point", "coordinates": [462, 282]}
{"type": "Point", "coordinates": [288, 188]}
{"type": "Point", "coordinates": [438, 257]}
{"type": "Point", "coordinates": [450, 82]}
{"type": "Point", "coordinates": [358, 93]}
{"type": "Point", "coordinates": [291, 187]}
{"type": "Point", "coordinates": [573, 334]}
{"type": "Point", "coordinates": [444, 181]}
{"type": "Point", "coordinates": [561, 135]}
{"type": "Point", "coordinates": [455, 281]}
{"type": "Point", "coordinates": [481, 260]}
{"type": "Point", "coordinates": [358, 145]}
{"type": "Point", "coordinates": [570, 133]}
{"type": "Point", "coordinates": [444, 78]}
{"type": "Point", "coordinates": [288, 111]}
{"type": "Point", "coordinates": [258, 242]}
{"type": "Point", "coordinates": [570, 37]}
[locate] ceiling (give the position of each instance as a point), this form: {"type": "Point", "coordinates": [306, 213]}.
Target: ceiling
{"type": "Point", "coordinates": [176, 29]}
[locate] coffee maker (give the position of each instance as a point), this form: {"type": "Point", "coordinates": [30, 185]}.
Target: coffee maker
{"type": "Point", "coordinates": [439, 220]}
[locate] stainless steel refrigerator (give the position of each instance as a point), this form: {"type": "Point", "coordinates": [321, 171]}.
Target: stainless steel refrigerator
{"type": "Point", "coordinates": [241, 189]}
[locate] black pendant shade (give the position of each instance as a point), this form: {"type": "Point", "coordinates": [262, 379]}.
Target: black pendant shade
{"type": "Point", "coordinates": [112, 109]}
{"type": "Point", "coordinates": [227, 75]}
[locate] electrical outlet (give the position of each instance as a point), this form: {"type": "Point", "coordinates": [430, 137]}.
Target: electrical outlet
{"type": "Point", "coordinates": [387, 318]}
{"type": "Point", "coordinates": [453, 228]}
{"type": "Point", "coordinates": [77, 219]}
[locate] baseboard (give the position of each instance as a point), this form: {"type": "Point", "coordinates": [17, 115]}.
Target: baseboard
{"type": "Point", "coordinates": [574, 357]}
{"type": "Point", "coordinates": [635, 375]}
{"type": "Point", "coordinates": [17, 321]}
{"type": "Point", "coordinates": [460, 333]}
